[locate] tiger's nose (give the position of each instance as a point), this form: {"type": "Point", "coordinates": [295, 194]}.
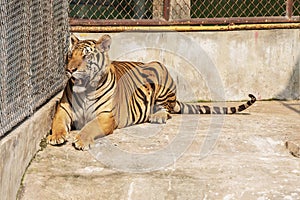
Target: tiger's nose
{"type": "Point", "coordinates": [72, 70]}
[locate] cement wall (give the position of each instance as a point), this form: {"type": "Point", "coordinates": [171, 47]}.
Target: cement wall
{"type": "Point", "coordinates": [219, 65]}
{"type": "Point", "coordinates": [18, 148]}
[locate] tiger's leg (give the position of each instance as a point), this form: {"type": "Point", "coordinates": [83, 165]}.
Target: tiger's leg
{"type": "Point", "coordinates": [101, 126]}
{"type": "Point", "coordinates": [159, 115]}
{"type": "Point", "coordinates": [164, 104]}
{"type": "Point", "coordinates": [61, 125]}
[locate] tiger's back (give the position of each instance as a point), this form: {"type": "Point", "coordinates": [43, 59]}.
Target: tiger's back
{"type": "Point", "coordinates": [140, 87]}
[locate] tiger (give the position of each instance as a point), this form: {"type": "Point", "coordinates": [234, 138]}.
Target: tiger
{"type": "Point", "coordinates": [103, 95]}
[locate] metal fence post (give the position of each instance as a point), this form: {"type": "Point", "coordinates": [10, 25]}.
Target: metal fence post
{"type": "Point", "coordinates": [289, 8]}
{"type": "Point", "coordinates": [166, 10]}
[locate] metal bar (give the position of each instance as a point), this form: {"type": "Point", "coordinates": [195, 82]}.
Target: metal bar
{"type": "Point", "coordinates": [166, 10]}
{"type": "Point", "coordinates": [289, 8]}
{"type": "Point", "coordinates": [198, 21]}
{"type": "Point", "coordinates": [185, 28]}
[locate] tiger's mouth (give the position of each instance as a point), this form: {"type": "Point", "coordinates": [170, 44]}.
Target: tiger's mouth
{"type": "Point", "coordinates": [79, 82]}
{"type": "Point", "coordinates": [80, 79]}
{"type": "Point", "coordinates": [79, 85]}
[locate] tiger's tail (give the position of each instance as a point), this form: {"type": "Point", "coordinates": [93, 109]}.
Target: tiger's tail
{"type": "Point", "coordinates": [202, 109]}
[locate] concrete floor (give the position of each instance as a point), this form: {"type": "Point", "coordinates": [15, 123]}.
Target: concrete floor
{"type": "Point", "coordinates": [240, 156]}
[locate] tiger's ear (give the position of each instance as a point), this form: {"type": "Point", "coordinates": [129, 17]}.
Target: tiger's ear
{"type": "Point", "coordinates": [73, 40]}
{"type": "Point", "coordinates": [103, 44]}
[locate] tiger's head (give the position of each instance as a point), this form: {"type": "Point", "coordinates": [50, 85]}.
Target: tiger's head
{"type": "Point", "coordinates": [87, 62]}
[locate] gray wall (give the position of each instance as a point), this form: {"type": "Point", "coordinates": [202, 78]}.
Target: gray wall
{"type": "Point", "coordinates": [219, 65]}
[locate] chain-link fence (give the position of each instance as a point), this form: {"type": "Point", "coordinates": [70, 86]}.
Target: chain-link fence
{"type": "Point", "coordinates": [33, 42]}
{"type": "Point", "coordinates": [172, 10]}
{"type": "Point", "coordinates": [225, 8]}
{"type": "Point", "coordinates": [111, 9]}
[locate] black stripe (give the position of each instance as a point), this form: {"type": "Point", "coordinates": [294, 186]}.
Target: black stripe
{"type": "Point", "coordinates": [241, 108]}
{"type": "Point", "coordinates": [69, 92]}
{"type": "Point", "coordinates": [233, 110]}
{"type": "Point", "coordinates": [106, 111]}
{"type": "Point", "coordinates": [161, 65]}
{"type": "Point", "coordinates": [140, 94]}
{"type": "Point", "coordinates": [164, 97]}
{"type": "Point", "coordinates": [207, 109]}
{"type": "Point", "coordinates": [97, 65]}
{"type": "Point", "coordinates": [217, 110]}
{"type": "Point", "coordinates": [183, 108]}
{"type": "Point", "coordinates": [101, 104]}
{"type": "Point", "coordinates": [152, 85]}
{"type": "Point", "coordinates": [133, 110]}
{"type": "Point", "coordinates": [165, 83]}
{"type": "Point", "coordinates": [66, 111]}
{"type": "Point", "coordinates": [145, 76]}
{"type": "Point", "coordinates": [199, 108]}
{"type": "Point", "coordinates": [144, 114]}
{"type": "Point", "coordinates": [140, 114]}
{"type": "Point", "coordinates": [107, 89]}
{"type": "Point", "coordinates": [155, 71]}
{"type": "Point", "coordinates": [100, 98]}
{"type": "Point", "coordinates": [102, 61]}
{"type": "Point", "coordinates": [90, 42]}
{"type": "Point", "coordinates": [190, 109]}
{"type": "Point", "coordinates": [133, 70]}
{"type": "Point", "coordinates": [105, 77]}
{"type": "Point", "coordinates": [98, 57]}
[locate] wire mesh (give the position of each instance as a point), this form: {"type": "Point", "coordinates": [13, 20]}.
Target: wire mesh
{"type": "Point", "coordinates": [237, 8]}
{"type": "Point", "coordinates": [111, 9]}
{"type": "Point", "coordinates": [179, 9]}
{"type": "Point", "coordinates": [33, 37]}
{"type": "Point", "coordinates": [296, 8]}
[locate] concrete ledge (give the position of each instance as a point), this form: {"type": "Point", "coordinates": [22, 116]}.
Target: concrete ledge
{"type": "Point", "coordinates": [19, 147]}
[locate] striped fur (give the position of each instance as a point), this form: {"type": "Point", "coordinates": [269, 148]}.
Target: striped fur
{"type": "Point", "coordinates": [101, 96]}
{"type": "Point", "coordinates": [202, 109]}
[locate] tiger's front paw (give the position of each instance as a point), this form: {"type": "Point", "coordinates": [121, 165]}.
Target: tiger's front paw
{"type": "Point", "coordinates": [57, 138]}
{"type": "Point", "coordinates": [160, 117]}
{"type": "Point", "coordinates": [82, 142]}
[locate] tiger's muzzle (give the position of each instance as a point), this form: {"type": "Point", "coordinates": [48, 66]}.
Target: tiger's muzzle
{"type": "Point", "coordinates": [80, 81]}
